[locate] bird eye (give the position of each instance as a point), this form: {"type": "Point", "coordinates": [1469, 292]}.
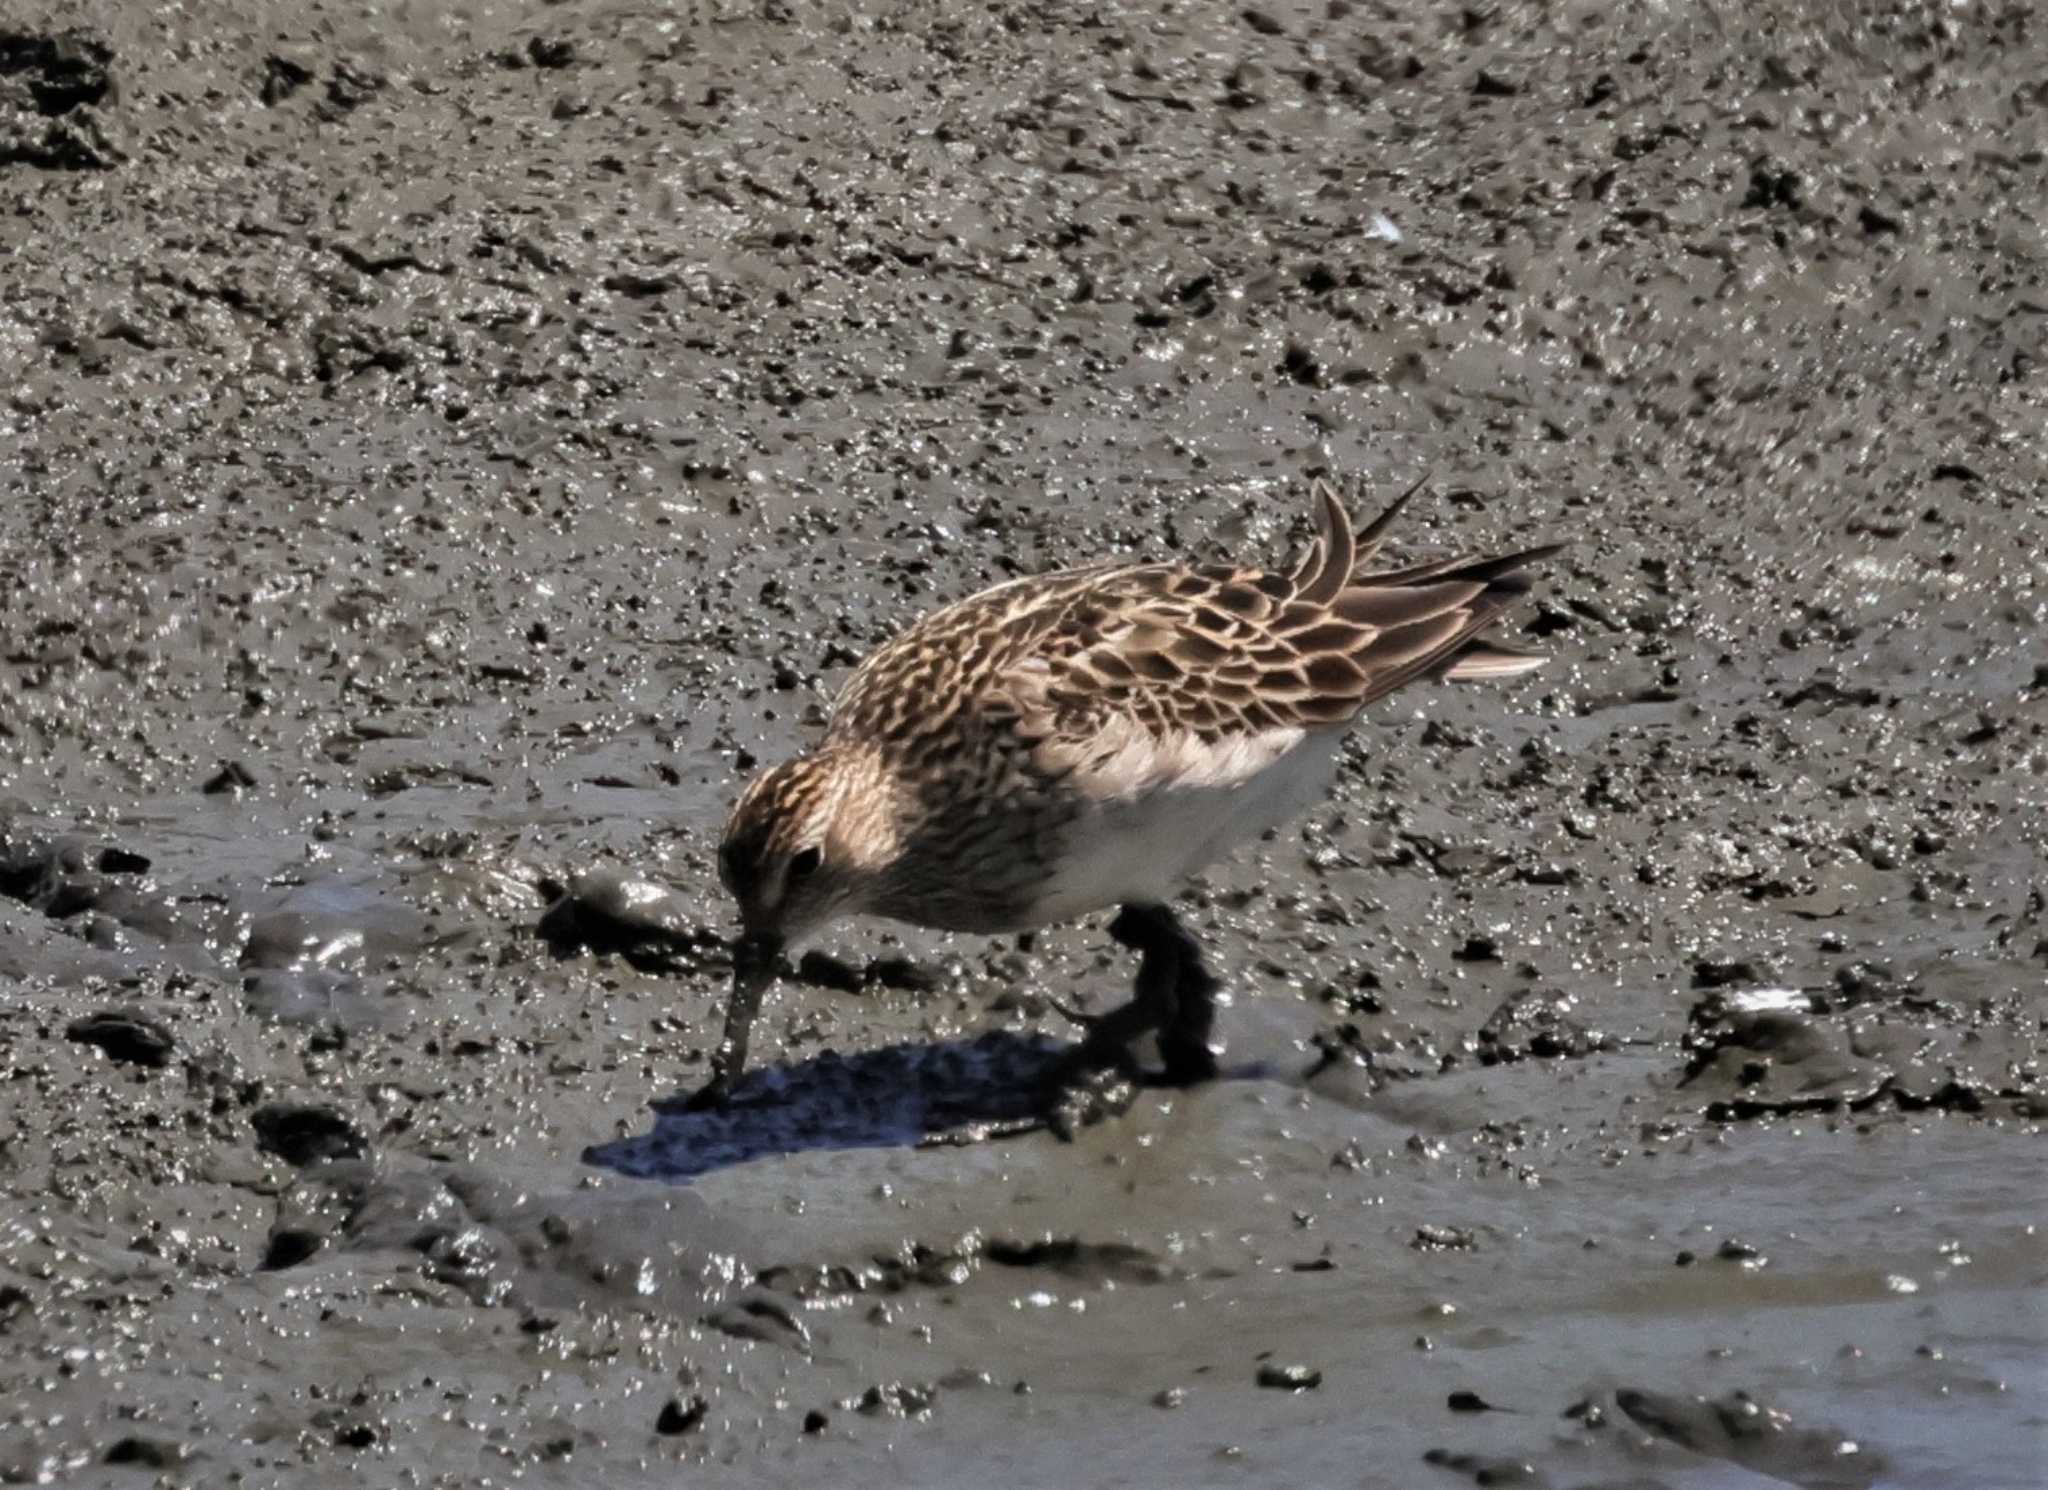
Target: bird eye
{"type": "Point", "coordinates": [804, 863]}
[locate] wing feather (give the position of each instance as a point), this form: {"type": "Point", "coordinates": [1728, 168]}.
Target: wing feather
{"type": "Point", "coordinates": [1334, 556]}
{"type": "Point", "coordinates": [1124, 679]}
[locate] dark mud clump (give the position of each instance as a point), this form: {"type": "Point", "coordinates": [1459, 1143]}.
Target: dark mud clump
{"type": "Point", "coordinates": [1870, 1042]}
{"type": "Point", "coordinates": [1755, 1436]}
{"type": "Point", "coordinates": [50, 87]}
{"type": "Point", "coordinates": [647, 923]}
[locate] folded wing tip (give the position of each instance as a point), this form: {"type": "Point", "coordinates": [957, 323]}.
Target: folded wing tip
{"type": "Point", "coordinates": [1488, 662]}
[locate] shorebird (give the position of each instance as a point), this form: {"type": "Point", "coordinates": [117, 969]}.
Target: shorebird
{"type": "Point", "coordinates": [1086, 740]}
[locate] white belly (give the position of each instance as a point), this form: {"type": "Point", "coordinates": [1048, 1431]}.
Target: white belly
{"type": "Point", "coordinates": [1138, 850]}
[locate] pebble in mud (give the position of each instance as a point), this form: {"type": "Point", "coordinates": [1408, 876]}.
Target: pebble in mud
{"type": "Point", "coordinates": [232, 777]}
{"type": "Point", "coordinates": [1289, 1377]}
{"type": "Point", "coordinates": [125, 1035]}
{"type": "Point", "coordinates": [53, 93]}
{"type": "Point", "coordinates": [677, 1416]}
{"type": "Point", "coordinates": [1072, 1257]}
{"type": "Point", "coordinates": [896, 1399]}
{"type": "Point", "coordinates": [1754, 1435]}
{"type": "Point", "coordinates": [70, 880]}
{"type": "Point", "coordinates": [288, 1247]}
{"type": "Point", "coordinates": [1434, 1238]}
{"type": "Point", "coordinates": [1757, 1054]}
{"type": "Point", "coordinates": [146, 1453]}
{"type": "Point", "coordinates": [646, 922]}
{"type": "Point", "coordinates": [359, 1433]}
{"type": "Point", "coordinates": [1485, 1470]}
{"type": "Point", "coordinates": [1537, 1025]}
{"type": "Point", "coordinates": [302, 1133]}
{"type": "Point", "coordinates": [820, 969]}
{"type": "Point", "coordinates": [761, 1317]}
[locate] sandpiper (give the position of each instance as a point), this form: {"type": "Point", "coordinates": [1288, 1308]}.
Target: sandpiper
{"type": "Point", "coordinates": [1088, 739]}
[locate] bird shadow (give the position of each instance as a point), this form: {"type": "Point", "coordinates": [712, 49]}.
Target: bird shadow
{"type": "Point", "coordinates": [900, 1096]}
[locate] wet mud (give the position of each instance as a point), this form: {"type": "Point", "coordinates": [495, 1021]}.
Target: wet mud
{"type": "Point", "coordinates": [444, 449]}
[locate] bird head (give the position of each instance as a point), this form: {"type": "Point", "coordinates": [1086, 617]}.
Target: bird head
{"type": "Point", "coordinates": [805, 845]}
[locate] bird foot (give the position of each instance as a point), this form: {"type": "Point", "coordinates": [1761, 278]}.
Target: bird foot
{"type": "Point", "coordinates": [1187, 1062]}
{"type": "Point", "coordinates": [1087, 1097]}
{"type": "Point", "coordinates": [1097, 1080]}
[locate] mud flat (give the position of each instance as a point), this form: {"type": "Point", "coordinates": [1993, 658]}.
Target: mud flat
{"type": "Point", "coordinates": [445, 446]}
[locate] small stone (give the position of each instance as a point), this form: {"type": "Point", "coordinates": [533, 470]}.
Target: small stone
{"type": "Point", "coordinates": [551, 51]}
{"type": "Point", "coordinates": [1170, 1398]}
{"type": "Point", "coordinates": [357, 1435]}
{"type": "Point", "coordinates": [904, 975]}
{"type": "Point", "coordinates": [233, 776]}
{"type": "Point", "coordinates": [125, 1036]}
{"type": "Point", "coordinates": [1291, 1378]}
{"type": "Point", "coordinates": [282, 77]}
{"type": "Point", "coordinates": [288, 1247]}
{"type": "Point", "coordinates": [306, 1133]}
{"type": "Point", "coordinates": [679, 1417]}
{"type": "Point", "coordinates": [1442, 1239]}
{"type": "Point", "coordinates": [150, 1453]}
{"type": "Point", "coordinates": [823, 970]}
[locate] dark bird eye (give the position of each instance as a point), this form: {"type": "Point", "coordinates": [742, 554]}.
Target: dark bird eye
{"type": "Point", "coordinates": [805, 863]}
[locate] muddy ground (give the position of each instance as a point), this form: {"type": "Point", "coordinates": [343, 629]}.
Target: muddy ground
{"type": "Point", "coordinates": [446, 446]}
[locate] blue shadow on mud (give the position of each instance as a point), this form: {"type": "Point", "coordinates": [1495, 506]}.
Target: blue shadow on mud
{"type": "Point", "coordinates": [896, 1097]}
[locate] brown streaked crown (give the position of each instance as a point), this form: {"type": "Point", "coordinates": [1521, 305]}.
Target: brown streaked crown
{"type": "Point", "coordinates": [805, 838]}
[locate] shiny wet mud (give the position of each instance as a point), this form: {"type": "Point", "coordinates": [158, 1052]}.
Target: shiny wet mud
{"type": "Point", "coordinates": [445, 451]}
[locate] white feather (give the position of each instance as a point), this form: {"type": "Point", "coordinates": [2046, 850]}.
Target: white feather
{"type": "Point", "coordinates": [1163, 807]}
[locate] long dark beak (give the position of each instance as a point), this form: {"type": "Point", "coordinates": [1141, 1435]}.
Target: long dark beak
{"type": "Point", "coordinates": [754, 960]}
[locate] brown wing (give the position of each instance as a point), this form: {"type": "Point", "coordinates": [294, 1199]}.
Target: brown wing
{"type": "Point", "coordinates": [1094, 660]}
{"type": "Point", "coordinates": [1222, 652]}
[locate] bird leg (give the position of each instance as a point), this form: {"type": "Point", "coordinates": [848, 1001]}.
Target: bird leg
{"type": "Point", "coordinates": [1174, 994]}
{"type": "Point", "coordinates": [1152, 995]}
{"type": "Point", "coordinates": [1187, 1011]}
{"type": "Point", "coordinates": [1185, 1045]}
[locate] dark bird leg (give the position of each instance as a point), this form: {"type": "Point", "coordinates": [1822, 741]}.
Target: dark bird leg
{"type": "Point", "coordinates": [1187, 1010]}
{"type": "Point", "coordinates": [1175, 994]}
{"type": "Point", "coordinates": [1099, 1078]}
{"type": "Point", "coordinates": [1185, 1044]}
{"type": "Point", "coordinates": [1152, 995]}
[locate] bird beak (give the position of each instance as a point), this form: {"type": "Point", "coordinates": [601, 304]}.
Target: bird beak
{"type": "Point", "coordinates": [754, 959]}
